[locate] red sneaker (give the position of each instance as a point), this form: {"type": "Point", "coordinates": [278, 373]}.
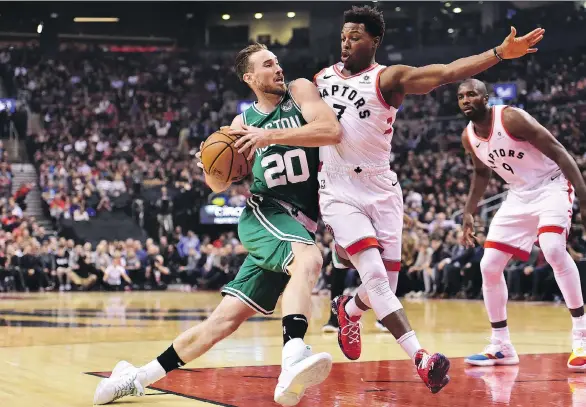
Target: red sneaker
{"type": "Point", "coordinates": [349, 331]}
{"type": "Point", "coordinates": [433, 369]}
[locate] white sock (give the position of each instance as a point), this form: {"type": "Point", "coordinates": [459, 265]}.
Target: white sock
{"type": "Point", "coordinates": [409, 343]}
{"type": "Point", "coordinates": [579, 323]}
{"type": "Point", "coordinates": [150, 373]}
{"type": "Point", "coordinates": [502, 334]}
{"type": "Point", "coordinates": [352, 309]}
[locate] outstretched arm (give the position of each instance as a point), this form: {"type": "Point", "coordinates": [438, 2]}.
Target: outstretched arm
{"type": "Point", "coordinates": [405, 79]}
{"type": "Point", "coordinates": [521, 123]}
{"type": "Point", "coordinates": [322, 126]}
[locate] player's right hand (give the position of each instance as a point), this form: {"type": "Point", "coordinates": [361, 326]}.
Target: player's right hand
{"type": "Point", "coordinates": [468, 238]}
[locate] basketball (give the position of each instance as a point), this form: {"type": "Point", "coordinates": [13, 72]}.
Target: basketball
{"type": "Point", "coordinates": [221, 160]}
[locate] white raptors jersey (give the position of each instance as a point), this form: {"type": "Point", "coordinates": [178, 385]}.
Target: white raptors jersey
{"type": "Point", "coordinates": [519, 163]}
{"type": "Point", "coordinates": [366, 119]}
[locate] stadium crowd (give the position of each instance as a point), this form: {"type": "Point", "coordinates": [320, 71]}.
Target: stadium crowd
{"type": "Point", "coordinates": [109, 131]}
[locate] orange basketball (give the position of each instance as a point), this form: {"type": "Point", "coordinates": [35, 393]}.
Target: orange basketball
{"type": "Point", "coordinates": [221, 160]}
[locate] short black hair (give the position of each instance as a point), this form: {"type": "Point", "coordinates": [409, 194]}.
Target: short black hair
{"type": "Point", "coordinates": [241, 65]}
{"type": "Point", "coordinates": [372, 18]}
{"type": "Point", "coordinates": [477, 85]}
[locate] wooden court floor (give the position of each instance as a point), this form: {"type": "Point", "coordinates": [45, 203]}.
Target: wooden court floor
{"type": "Point", "coordinates": [53, 347]}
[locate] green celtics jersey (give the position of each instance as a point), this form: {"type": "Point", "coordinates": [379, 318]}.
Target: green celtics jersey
{"type": "Point", "coordinates": [284, 172]}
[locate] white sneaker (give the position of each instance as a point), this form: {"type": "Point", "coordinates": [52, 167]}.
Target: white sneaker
{"type": "Point", "coordinates": [300, 370]}
{"type": "Point", "coordinates": [496, 353]}
{"type": "Point", "coordinates": [577, 359]}
{"type": "Point", "coordinates": [122, 382]}
{"type": "Point", "coordinates": [121, 367]}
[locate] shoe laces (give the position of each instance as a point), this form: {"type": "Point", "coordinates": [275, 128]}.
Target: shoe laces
{"type": "Point", "coordinates": [352, 331]}
{"type": "Point", "coordinates": [125, 388]}
{"type": "Point", "coordinates": [425, 357]}
{"type": "Point", "coordinates": [494, 346]}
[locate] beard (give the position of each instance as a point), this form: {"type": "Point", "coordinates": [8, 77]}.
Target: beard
{"type": "Point", "coordinates": [271, 89]}
{"type": "Point", "coordinates": [475, 114]}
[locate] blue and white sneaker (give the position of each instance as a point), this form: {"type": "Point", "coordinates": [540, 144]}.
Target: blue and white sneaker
{"type": "Point", "coordinates": [496, 353]}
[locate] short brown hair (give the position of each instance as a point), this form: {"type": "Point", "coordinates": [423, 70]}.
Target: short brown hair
{"type": "Point", "coordinates": [241, 63]}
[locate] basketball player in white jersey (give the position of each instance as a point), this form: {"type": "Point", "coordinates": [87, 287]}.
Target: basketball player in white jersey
{"type": "Point", "coordinates": [360, 198]}
{"type": "Point", "coordinates": [543, 179]}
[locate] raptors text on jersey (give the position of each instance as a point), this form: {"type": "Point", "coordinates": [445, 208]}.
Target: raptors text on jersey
{"type": "Point", "coordinates": [366, 119]}
{"type": "Point", "coordinates": [518, 162]}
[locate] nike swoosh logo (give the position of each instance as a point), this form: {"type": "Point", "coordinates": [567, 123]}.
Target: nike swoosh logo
{"type": "Point", "coordinates": [552, 178]}
{"type": "Point", "coordinates": [328, 76]}
{"type": "Point", "coordinates": [394, 183]}
{"type": "Point", "coordinates": [299, 319]}
{"type": "Point", "coordinates": [477, 145]}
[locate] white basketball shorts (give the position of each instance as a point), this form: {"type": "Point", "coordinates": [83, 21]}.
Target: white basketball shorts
{"type": "Point", "coordinates": [524, 216]}
{"type": "Point", "coordinates": [363, 207]}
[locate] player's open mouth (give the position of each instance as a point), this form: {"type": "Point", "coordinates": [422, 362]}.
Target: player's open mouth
{"type": "Point", "coordinates": [345, 55]}
{"type": "Point", "coordinates": [467, 109]}
{"type": "Point", "coordinates": [280, 80]}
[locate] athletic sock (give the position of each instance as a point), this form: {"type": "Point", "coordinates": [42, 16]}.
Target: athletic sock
{"type": "Point", "coordinates": [501, 334]}
{"type": "Point", "coordinates": [170, 360]}
{"type": "Point", "coordinates": [294, 326]}
{"type": "Point", "coordinates": [352, 309]}
{"type": "Point", "coordinates": [409, 343]}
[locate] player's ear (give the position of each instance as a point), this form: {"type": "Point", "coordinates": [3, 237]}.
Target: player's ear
{"type": "Point", "coordinates": [247, 78]}
{"type": "Point", "coordinates": [376, 42]}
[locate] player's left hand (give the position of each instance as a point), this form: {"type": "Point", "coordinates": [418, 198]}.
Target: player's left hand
{"type": "Point", "coordinates": [251, 138]}
{"type": "Point", "coordinates": [513, 47]}
{"type": "Point", "coordinates": [468, 238]}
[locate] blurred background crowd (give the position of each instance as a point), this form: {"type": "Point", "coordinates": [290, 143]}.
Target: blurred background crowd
{"type": "Point", "coordinates": [99, 125]}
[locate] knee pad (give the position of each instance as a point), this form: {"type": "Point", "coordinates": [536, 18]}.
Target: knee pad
{"type": "Point", "coordinates": [393, 277]}
{"type": "Point", "coordinates": [374, 278]}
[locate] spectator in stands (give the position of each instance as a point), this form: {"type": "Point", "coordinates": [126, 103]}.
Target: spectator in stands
{"type": "Point", "coordinates": [63, 269]}
{"type": "Point", "coordinates": [83, 274]}
{"type": "Point", "coordinates": [187, 243]}
{"type": "Point", "coordinates": [164, 215]}
{"type": "Point", "coordinates": [114, 274]}
{"type": "Point", "coordinates": [134, 269]}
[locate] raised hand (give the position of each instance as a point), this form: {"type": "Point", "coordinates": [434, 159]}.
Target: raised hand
{"type": "Point", "coordinates": [513, 47]}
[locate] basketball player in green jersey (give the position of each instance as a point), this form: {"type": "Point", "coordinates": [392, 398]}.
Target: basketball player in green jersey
{"type": "Point", "coordinates": [277, 228]}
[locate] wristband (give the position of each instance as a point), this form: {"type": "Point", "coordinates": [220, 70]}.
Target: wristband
{"type": "Point", "coordinates": [496, 54]}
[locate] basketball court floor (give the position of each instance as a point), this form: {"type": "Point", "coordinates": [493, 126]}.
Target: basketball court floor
{"type": "Point", "coordinates": [54, 347]}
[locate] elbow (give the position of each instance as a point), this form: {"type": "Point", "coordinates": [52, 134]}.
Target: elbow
{"type": "Point", "coordinates": [336, 133]}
